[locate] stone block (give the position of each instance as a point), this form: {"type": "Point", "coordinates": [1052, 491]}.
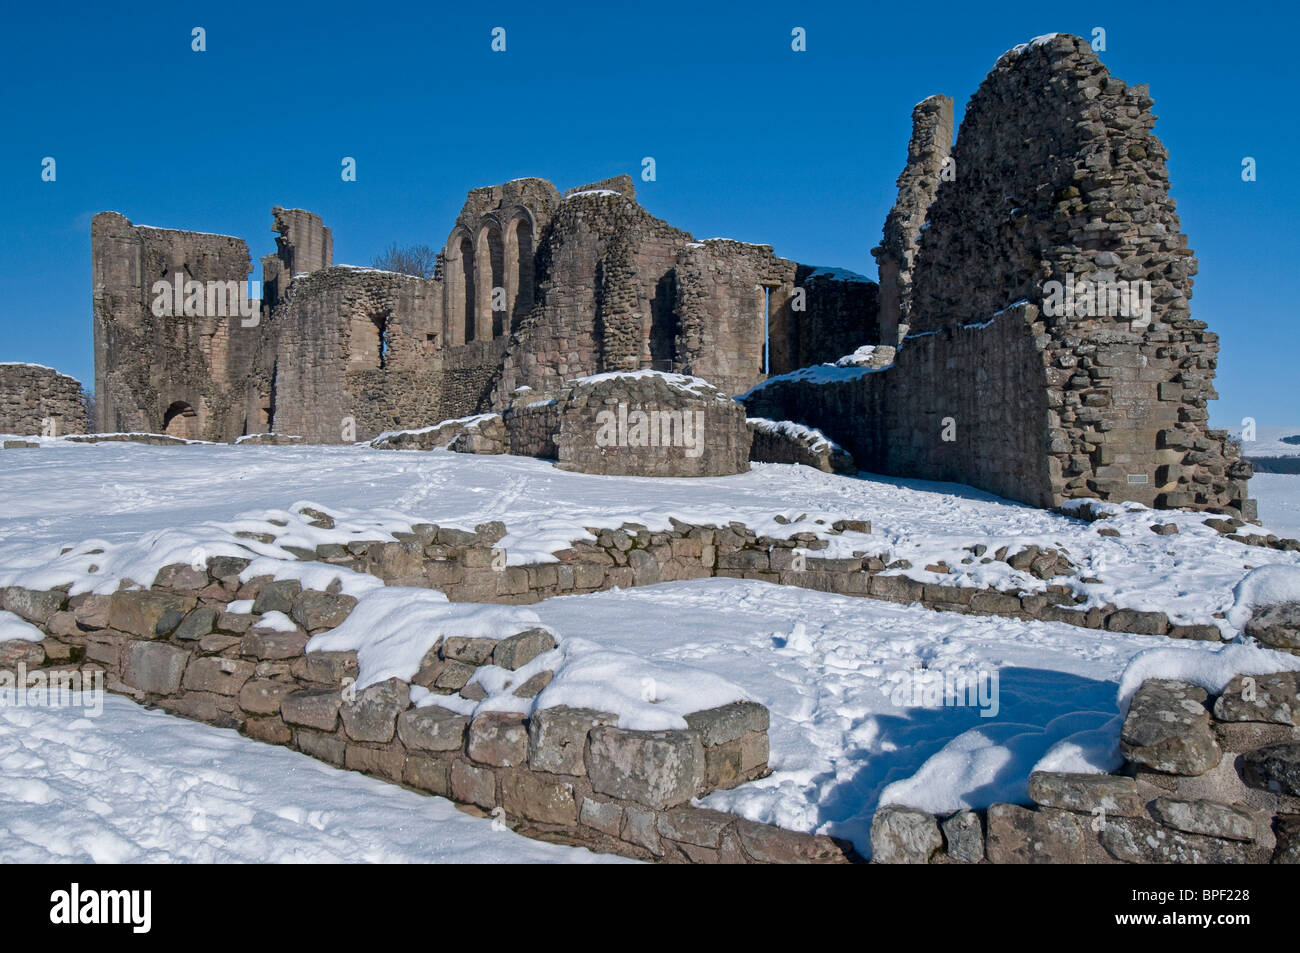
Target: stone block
{"type": "Point", "coordinates": [658, 769]}
{"type": "Point", "coordinates": [154, 667]}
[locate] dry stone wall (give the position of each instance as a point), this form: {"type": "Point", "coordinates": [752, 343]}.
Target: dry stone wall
{"type": "Point", "coordinates": [1205, 780]}
{"type": "Point", "coordinates": [37, 400]}
{"type": "Point", "coordinates": [565, 774]}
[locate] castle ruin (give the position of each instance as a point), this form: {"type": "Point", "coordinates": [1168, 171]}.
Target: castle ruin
{"type": "Point", "coordinates": [1031, 333]}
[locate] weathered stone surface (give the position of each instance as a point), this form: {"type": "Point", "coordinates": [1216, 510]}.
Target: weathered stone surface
{"type": "Point", "coordinates": [1205, 817]}
{"type": "Point", "coordinates": [472, 784]}
{"type": "Point", "coordinates": [734, 762]}
{"type": "Point", "coordinates": [197, 624]}
{"type": "Point", "coordinates": [469, 651]}
{"type": "Point", "coordinates": [639, 828]}
{"type": "Point", "coordinates": [271, 731]}
{"type": "Point", "coordinates": [263, 696]}
{"type": "Point", "coordinates": [147, 613]}
{"type": "Point", "coordinates": [524, 794]}
{"type": "Point", "coordinates": [1168, 729]}
{"type": "Point", "coordinates": [1139, 841]}
{"type": "Point", "coordinates": [39, 400]}
{"type": "Point", "coordinates": [181, 577]}
{"type": "Point", "coordinates": [1266, 698]}
{"type": "Point", "coordinates": [1017, 835]}
{"type": "Point", "coordinates": [1274, 768]}
{"type": "Point", "coordinates": [694, 825]}
{"type": "Point", "coordinates": [1087, 793]}
{"type": "Point", "coordinates": [270, 644]}
{"type": "Point", "coordinates": [498, 738]}
{"type": "Point", "coordinates": [428, 774]}
{"type": "Point", "coordinates": [33, 605]}
{"type": "Point", "coordinates": [775, 845]}
{"type": "Point", "coordinates": [1137, 622]}
{"type": "Point", "coordinates": [963, 836]}
{"type": "Point", "coordinates": [319, 745]}
{"type": "Point", "coordinates": [326, 668]}
{"type": "Point", "coordinates": [1286, 831]}
{"type": "Point", "coordinates": [372, 714]}
{"type": "Point", "coordinates": [557, 738]}
{"type": "Point", "coordinates": [520, 649]}
{"type": "Point", "coordinates": [604, 816]}
{"type": "Point", "coordinates": [664, 420]}
{"type": "Point", "coordinates": [91, 611]}
{"type": "Point", "coordinates": [222, 676]}
{"type": "Point", "coordinates": [315, 610]}
{"type": "Point", "coordinates": [432, 729]}
{"type": "Point", "coordinates": [903, 835]}
{"type": "Point", "coordinates": [658, 769]}
{"type": "Point", "coordinates": [1277, 626]}
{"type": "Point", "coordinates": [20, 651]}
{"type": "Point", "coordinates": [314, 709]}
{"type": "Point", "coordinates": [154, 666]}
{"type": "Point", "coordinates": [784, 441]}
{"type": "Point", "coordinates": [533, 686]}
{"type": "Point", "coordinates": [387, 763]}
{"type": "Point", "coordinates": [277, 596]}
{"type": "Point", "coordinates": [717, 726]}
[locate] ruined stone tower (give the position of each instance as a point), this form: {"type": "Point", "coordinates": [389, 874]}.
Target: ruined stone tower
{"type": "Point", "coordinates": [1057, 178]}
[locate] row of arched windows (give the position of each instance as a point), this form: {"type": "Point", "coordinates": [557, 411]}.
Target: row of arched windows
{"type": "Point", "coordinates": [489, 278]}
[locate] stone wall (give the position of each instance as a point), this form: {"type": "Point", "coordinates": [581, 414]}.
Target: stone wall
{"type": "Point", "coordinates": [561, 774]}
{"type": "Point", "coordinates": [841, 313]}
{"type": "Point", "coordinates": [927, 151]}
{"type": "Point", "coordinates": [782, 441]}
{"type": "Point", "coordinates": [995, 385]}
{"type": "Point", "coordinates": [722, 304]}
{"type": "Point", "coordinates": [302, 244]}
{"type": "Point", "coordinates": [1205, 780]}
{"type": "Point", "coordinates": [37, 400]}
{"type": "Point", "coordinates": [605, 298]}
{"type": "Point", "coordinates": [352, 343]}
{"type": "Point", "coordinates": [182, 375]}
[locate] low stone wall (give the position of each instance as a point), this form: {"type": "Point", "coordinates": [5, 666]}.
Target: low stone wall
{"type": "Point", "coordinates": [1205, 781]}
{"type": "Point", "coordinates": [563, 774]}
{"type": "Point", "coordinates": [784, 441]}
{"type": "Point", "coordinates": [471, 567]}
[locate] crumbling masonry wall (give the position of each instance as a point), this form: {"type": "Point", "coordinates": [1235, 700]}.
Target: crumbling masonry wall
{"type": "Point", "coordinates": [352, 344]}
{"type": "Point", "coordinates": [177, 374]}
{"type": "Point", "coordinates": [928, 150]}
{"type": "Point", "coordinates": [1057, 174]}
{"type": "Point", "coordinates": [40, 400]}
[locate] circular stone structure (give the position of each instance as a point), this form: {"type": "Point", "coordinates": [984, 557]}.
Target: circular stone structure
{"type": "Point", "coordinates": [649, 423]}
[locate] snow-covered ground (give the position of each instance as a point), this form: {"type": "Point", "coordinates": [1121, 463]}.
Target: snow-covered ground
{"type": "Point", "coordinates": [846, 682]}
{"type": "Point", "coordinates": [138, 786]}
{"type": "Point", "coordinates": [64, 495]}
{"type": "Point", "coordinates": [1269, 441]}
{"type": "Point", "coordinates": [1279, 501]}
{"type": "Point", "coordinates": [847, 679]}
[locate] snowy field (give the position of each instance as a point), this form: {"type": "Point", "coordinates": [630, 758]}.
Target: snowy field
{"type": "Point", "coordinates": [845, 678]}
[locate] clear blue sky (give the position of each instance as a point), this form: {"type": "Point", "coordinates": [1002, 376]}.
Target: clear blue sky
{"type": "Point", "coordinates": [752, 141]}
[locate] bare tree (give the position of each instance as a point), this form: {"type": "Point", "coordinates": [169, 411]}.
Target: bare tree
{"type": "Point", "coordinates": [417, 260]}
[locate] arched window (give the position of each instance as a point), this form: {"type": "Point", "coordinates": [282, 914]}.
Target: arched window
{"type": "Point", "coordinates": [522, 234]}
{"type": "Point", "coordinates": [490, 267]}
{"type": "Point", "coordinates": [466, 303]}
